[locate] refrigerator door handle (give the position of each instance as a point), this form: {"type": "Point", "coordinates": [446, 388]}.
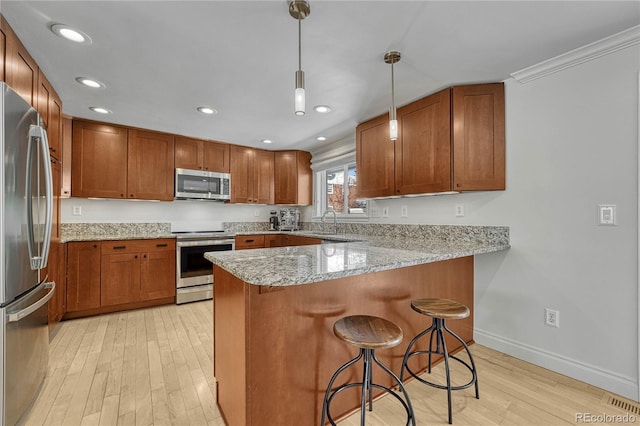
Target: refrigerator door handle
{"type": "Point", "coordinates": [38, 135]}
{"type": "Point", "coordinates": [17, 316]}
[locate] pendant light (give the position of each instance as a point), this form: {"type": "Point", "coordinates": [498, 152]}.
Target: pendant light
{"type": "Point", "coordinates": [391, 58]}
{"type": "Point", "coordinates": [299, 9]}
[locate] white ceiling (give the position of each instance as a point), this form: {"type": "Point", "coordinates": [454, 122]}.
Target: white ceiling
{"type": "Point", "coordinates": [162, 59]}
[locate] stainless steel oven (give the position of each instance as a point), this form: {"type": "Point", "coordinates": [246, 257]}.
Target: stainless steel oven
{"type": "Point", "coordinates": [194, 273]}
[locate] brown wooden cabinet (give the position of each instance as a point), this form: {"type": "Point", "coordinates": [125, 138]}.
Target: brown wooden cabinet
{"type": "Point", "coordinates": [204, 155]}
{"type": "Point", "coordinates": [50, 109]}
{"type": "Point", "coordinates": [423, 148]}
{"type": "Point", "coordinates": [65, 181]}
{"type": "Point", "coordinates": [99, 160]}
{"type": "Point", "coordinates": [83, 275]}
{"type": "Point", "coordinates": [20, 70]}
{"type": "Point", "coordinates": [137, 270]}
{"type": "Point", "coordinates": [111, 161]}
{"type": "Point", "coordinates": [252, 175]}
{"type": "Point", "coordinates": [3, 50]}
{"type": "Point", "coordinates": [150, 171]}
{"type": "Point", "coordinates": [374, 158]}
{"type": "Point", "coordinates": [293, 178]}
{"type": "Point", "coordinates": [56, 270]}
{"type": "Point", "coordinates": [452, 140]}
{"type": "Point", "coordinates": [478, 137]}
{"type": "Point", "coordinates": [244, 242]}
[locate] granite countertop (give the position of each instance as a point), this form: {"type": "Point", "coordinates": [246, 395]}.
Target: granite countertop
{"type": "Point", "coordinates": [113, 231]}
{"type": "Point", "coordinates": [285, 266]}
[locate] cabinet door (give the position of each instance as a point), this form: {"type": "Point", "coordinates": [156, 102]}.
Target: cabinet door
{"type": "Point", "coordinates": [189, 153]}
{"type": "Point", "coordinates": [50, 109]}
{"type": "Point", "coordinates": [83, 275]}
{"type": "Point", "coordinates": [99, 160]}
{"type": "Point", "coordinates": [57, 273]}
{"type": "Point", "coordinates": [150, 165]}
{"type": "Point", "coordinates": [478, 137]}
{"type": "Point", "coordinates": [249, 242]}
{"type": "Point", "coordinates": [216, 157]}
{"type": "Point", "coordinates": [3, 51]}
{"type": "Point", "coordinates": [241, 174]}
{"type": "Point", "coordinates": [158, 271]}
{"type": "Point", "coordinates": [264, 188]}
{"type": "Point", "coordinates": [375, 158]}
{"type": "Point", "coordinates": [21, 71]}
{"type": "Point", "coordinates": [423, 148]}
{"type": "Point", "coordinates": [65, 183]}
{"type": "Point", "coordinates": [277, 240]}
{"type": "Point", "coordinates": [56, 173]}
{"type": "Point", "coordinates": [120, 278]}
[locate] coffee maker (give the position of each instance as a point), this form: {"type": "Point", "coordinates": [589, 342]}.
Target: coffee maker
{"type": "Point", "coordinates": [274, 223]}
{"type": "Point", "coordinates": [289, 219]}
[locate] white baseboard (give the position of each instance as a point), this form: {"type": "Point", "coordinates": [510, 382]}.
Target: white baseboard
{"type": "Point", "coordinates": [608, 380]}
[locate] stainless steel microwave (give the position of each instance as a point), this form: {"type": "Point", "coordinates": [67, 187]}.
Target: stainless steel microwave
{"type": "Point", "coordinates": [198, 184]}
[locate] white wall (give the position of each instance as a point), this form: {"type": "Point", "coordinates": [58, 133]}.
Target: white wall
{"type": "Point", "coordinates": [572, 143]}
{"type": "Point", "coordinates": [150, 211]}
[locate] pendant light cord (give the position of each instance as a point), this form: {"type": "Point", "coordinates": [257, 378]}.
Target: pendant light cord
{"type": "Point", "coordinates": [299, 43]}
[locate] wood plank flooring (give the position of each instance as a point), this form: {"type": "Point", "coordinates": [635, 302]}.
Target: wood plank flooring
{"type": "Point", "coordinates": [155, 367]}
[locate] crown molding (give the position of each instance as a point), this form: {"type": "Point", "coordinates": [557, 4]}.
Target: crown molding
{"type": "Point", "coordinates": [580, 55]}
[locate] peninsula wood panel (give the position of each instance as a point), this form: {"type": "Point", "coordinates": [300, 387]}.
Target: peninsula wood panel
{"type": "Point", "coordinates": [83, 275]}
{"type": "Point", "coordinates": [478, 137]}
{"type": "Point", "coordinates": [99, 155]}
{"type": "Point", "coordinates": [423, 148]}
{"type": "Point", "coordinates": [289, 329]}
{"type": "Point", "coordinates": [375, 158]}
{"type": "Point", "coordinates": [150, 165]}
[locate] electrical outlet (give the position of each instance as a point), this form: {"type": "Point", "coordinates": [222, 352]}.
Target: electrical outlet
{"type": "Point", "coordinates": [459, 210]}
{"type": "Point", "coordinates": [404, 211]}
{"type": "Point", "coordinates": [552, 317]}
{"type": "Point", "coordinates": [77, 211]}
{"type": "Point", "coordinates": [385, 212]}
{"type": "Point", "coordinates": [375, 212]}
{"type": "Point", "coordinates": [256, 213]}
{"type": "Point", "coordinates": [607, 214]}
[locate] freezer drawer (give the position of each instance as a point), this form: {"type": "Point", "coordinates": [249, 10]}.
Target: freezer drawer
{"type": "Point", "coordinates": [26, 350]}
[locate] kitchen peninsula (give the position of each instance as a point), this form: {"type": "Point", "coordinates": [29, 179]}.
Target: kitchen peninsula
{"type": "Point", "coordinates": [274, 309]}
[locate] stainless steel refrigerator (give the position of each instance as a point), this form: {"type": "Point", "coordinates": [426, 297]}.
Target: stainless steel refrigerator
{"type": "Point", "coordinates": [26, 202]}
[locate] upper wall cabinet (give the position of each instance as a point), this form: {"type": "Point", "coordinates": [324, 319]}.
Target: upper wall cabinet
{"type": "Point", "coordinates": [452, 140]}
{"type": "Point", "coordinates": [115, 162]}
{"type": "Point", "coordinates": [50, 109]}
{"type": "Point", "coordinates": [20, 70]}
{"type": "Point", "coordinates": [293, 178]}
{"type": "Point", "coordinates": [252, 175]}
{"type": "Point", "coordinates": [198, 154]}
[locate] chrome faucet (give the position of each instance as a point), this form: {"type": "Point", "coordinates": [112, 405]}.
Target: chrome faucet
{"type": "Point", "coordinates": [335, 220]}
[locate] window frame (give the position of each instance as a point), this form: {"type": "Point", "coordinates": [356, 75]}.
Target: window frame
{"type": "Point", "coordinates": [320, 195]}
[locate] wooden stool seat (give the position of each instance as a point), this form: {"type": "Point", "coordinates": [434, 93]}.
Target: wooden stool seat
{"type": "Point", "coordinates": [368, 332]}
{"type": "Point", "coordinates": [440, 308]}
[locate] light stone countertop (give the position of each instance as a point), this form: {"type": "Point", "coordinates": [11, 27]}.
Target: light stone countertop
{"type": "Point", "coordinates": [284, 266]}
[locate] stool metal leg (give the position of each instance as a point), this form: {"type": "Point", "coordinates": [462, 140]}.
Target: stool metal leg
{"type": "Point", "coordinates": [367, 384]}
{"type": "Point", "coordinates": [438, 327]}
{"type": "Point", "coordinates": [325, 402]}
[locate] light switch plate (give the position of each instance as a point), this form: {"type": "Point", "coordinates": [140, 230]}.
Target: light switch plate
{"type": "Point", "coordinates": [607, 214]}
{"type": "Point", "coordinates": [77, 211]}
{"type": "Point", "coordinates": [459, 210]}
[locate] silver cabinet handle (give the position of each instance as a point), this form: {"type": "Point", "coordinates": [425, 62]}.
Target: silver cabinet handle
{"type": "Point", "coordinates": [17, 316]}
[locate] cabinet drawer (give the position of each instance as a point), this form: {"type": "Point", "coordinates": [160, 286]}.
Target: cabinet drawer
{"type": "Point", "coordinates": [137, 246]}
{"type": "Point", "coordinates": [249, 241]}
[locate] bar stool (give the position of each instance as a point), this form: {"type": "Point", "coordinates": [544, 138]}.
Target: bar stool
{"type": "Point", "coordinates": [367, 333]}
{"type": "Point", "coordinates": [440, 310]}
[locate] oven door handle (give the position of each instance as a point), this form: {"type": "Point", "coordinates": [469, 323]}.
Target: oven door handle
{"type": "Point", "coordinates": [204, 243]}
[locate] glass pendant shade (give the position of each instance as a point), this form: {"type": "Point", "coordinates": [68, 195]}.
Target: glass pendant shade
{"type": "Point", "coordinates": [393, 129]}
{"type": "Point", "coordinates": [299, 97]}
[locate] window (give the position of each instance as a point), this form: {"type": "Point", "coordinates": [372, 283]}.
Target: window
{"type": "Point", "coordinates": [336, 190]}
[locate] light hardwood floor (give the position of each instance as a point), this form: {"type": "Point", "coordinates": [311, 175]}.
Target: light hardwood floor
{"type": "Point", "coordinates": [155, 367]}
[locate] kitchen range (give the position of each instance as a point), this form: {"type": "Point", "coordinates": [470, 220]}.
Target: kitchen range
{"type": "Point", "coordinates": [194, 274]}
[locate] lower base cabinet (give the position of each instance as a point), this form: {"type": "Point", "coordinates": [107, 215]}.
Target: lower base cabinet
{"type": "Point", "coordinates": [115, 275]}
{"type": "Point", "coordinates": [56, 272]}
{"type": "Point", "coordinates": [273, 240]}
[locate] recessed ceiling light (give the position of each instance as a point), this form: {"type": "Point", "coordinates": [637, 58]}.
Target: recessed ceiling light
{"type": "Point", "coordinates": [321, 138]}
{"type": "Point", "coordinates": [69, 33]}
{"type": "Point", "coordinates": [100, 110]}
{"type": "Point", "coordinates": [207, 110]}
{"type": "Point", "coordinates": [266, 141]}
{"type": "Point", "coordinates": [95, 84]}
{"type": "Point", "coordinates": [322, 109]}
